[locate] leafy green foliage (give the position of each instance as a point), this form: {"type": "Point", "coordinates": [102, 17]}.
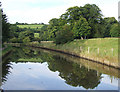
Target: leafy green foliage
{"type": "Point", "coordinates": [36, 35]}
{"type": "Point", "coordinates": [75, 23]}
{"type": "Point", "coordinates": [64, 36]}
{"type": "Point", "coordinates": [108, 22]}
{"type": "Point", "coordinates": [24, 34]}
{"type": "Point", "coordinates": [5, 27]}
{"type": "Point", "coordinates": [26, 40]}
{"type": "Point", "coordinates": [115, 30]}
{"type": "Point", "coordinates": [15, 40]}
{"type": "Point", "coordinates": [81, 28]}
{"type": "Point", "coordinates": [53, 27]}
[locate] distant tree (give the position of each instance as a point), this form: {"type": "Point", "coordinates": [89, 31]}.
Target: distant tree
{"type": "Point", "coordinates": [26, 40]}
{"type": "Point", "coordinates": [42, 23]}
{"type": "Point", "coordinates": [44, 36]}
{"type": "Point", "coordinates": [17, 23]}
{"type": "Point", "coordinates": [81, 28]}
{"type": "Point", "coordinates": [44, 28]}
{"type": "Point", "coordinates": [53, 27]}
{"type": "Point", "coordinates": [14, 30]}
{"type": "Point", "coordinates": [24, 34]}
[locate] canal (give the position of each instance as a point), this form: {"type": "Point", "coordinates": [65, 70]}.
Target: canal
{"type": "Point", "coordinates": [27, 68]}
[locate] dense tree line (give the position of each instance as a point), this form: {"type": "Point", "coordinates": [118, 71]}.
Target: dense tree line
{"type": "Point", "coordinates": [80, 23]}
{"type": "Point", "coordinates": [85, 22]}
{"type": "Point", "coordinates": [76, 23]}
{"type": "Point", "coordinates": [21, 35]}
{"type": "Point", "coordinates": [71, 72]}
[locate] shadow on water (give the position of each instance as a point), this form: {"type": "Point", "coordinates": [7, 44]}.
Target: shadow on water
{"type": "Point", "coordinates": [76, 72]}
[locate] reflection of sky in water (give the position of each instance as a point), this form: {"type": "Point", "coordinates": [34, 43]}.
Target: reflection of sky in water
{"type": "Point", "coordinates": [107, 83]}
{"type": "Point", "coordinates": [37, 76]}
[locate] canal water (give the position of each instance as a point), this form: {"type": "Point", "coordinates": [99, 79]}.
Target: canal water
{"type": "Point", "coordinates": [28, 68]}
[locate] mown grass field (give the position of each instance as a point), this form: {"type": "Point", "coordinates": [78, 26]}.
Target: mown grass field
{"type": "Point", "coordinates": [102, 49]}
{"type": "Point", "coordinates": [30, 26]}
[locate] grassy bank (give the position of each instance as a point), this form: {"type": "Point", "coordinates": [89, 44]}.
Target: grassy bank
{"type": "Point", "coordinates": [104, 50]}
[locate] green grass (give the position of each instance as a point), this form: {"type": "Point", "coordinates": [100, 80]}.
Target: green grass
{"type": "Point", "coordinates": [30, 26]}
{"type": "Point", "coordinates": [108, 48]}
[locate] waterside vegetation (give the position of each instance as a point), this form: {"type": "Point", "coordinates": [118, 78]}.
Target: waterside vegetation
{"type": "Point", "coordinates": [80, 30]}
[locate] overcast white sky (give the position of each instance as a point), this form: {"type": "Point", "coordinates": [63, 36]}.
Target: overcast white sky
{"type": "Point", "coordinates": [37, 11]}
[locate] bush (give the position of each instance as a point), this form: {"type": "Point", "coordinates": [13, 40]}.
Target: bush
{"type": "Point", "coordinates": [15, 40]}
{"type": "Point", "coordinates": [26, 40]}
{"type": "Point", "coordinates": [37, 39]}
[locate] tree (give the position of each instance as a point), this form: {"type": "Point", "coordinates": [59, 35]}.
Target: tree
{"type": "Point", "coordinates": [115, 30]}
{"type": "Point", "coordinates": [100, 30]}
{"type": "Point", "coordinates": [5, 27]}
{"type": "Point", "coordinates": [45, 36]}
{"type": "Point", "coordinates": [90, 12]}
{"type": "Point", "coordinates": [14, 30]}
{"type": "Point", "coordinates": [109, 21]}
{"type": "Point", "coordinates": [81, 28]}
{"type": "Point", "coordinates": [64, 35]}
{"type": "Point", "coordinates": [24, 34]}
{"type": "Point", "coordinates": [53, 27]}
{"type": "Point", "coordinates": [93, 15]}
{"type": "Point", "coordinates": [44, 27]}
{"type": "Point", "coordinates": [26, 40]}
{"type": "Point", "coordinates": [73, 14]}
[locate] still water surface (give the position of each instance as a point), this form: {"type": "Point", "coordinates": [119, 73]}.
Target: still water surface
{"type": "Point", "coordinates": [36, 69]}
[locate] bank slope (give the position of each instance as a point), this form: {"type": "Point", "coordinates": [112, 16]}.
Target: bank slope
{"type": "Point", "coordinates": [104, 50]}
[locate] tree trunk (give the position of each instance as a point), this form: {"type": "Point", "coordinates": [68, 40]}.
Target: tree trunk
{"type": "Point", "coordinates": [81, 38]}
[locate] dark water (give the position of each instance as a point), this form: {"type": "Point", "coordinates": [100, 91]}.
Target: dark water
{"type": "Point", "coordinates": [35, 69]}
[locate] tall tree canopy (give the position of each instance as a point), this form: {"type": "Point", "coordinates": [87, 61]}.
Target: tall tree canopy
{"type": "Point", "coordinates": [5, 26]}
{"type": "Point", "coordinates": [108, 22]}
{"type": "Point", "coordinates": [53, 27]}
{"type": "Point", "coordinates": [81, 28]}
{"type": "Point", "coordinates": [115, 30]}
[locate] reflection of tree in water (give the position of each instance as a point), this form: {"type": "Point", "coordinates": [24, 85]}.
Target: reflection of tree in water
{"type": "Point", "coordinates": [6, 65]}
{"type": "Point", "coordinates": [71, 72]}
{"type": "Point", "coordinates": [28, 53]}
{"type": "Point", "coordinates": [74, 74]}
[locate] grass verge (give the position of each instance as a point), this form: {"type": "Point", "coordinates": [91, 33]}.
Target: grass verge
{"type": "Point", "coordinates": [104, 50]}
